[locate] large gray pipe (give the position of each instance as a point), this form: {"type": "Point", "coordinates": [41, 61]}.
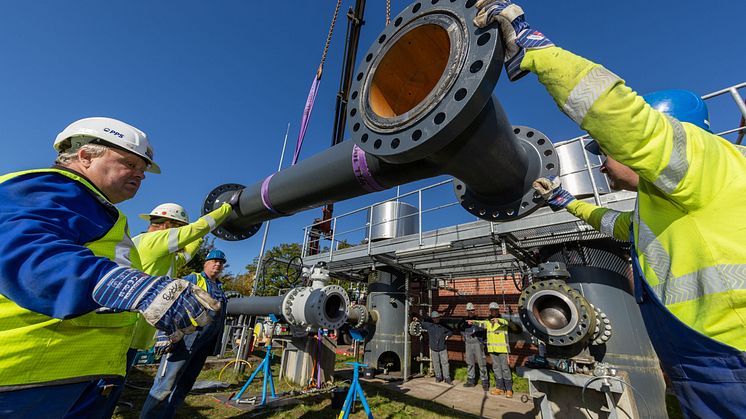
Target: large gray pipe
{"type": "Point", "coordinates": [420, 106]}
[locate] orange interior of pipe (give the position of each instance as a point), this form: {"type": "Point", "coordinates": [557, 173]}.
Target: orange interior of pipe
{"type": "Point", "coordinates": [409, 71]}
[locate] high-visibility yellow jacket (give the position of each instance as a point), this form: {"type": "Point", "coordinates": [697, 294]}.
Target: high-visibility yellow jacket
{"type": "Point", "coordinates": [164, 251]}
{"type": "Point", "coordinates": [497, 335]}
{"type": "Point", "coordinates": [690, 216]}
{"type": "Point", "coordinates": [37, 349]}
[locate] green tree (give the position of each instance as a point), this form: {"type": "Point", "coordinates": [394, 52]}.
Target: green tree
{"type": "Point", "coordinates": [277, 275]}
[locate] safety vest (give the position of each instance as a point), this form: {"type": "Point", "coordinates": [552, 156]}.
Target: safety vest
{"type": "Point", "coordinates": [689, 221]}
{"type": "Point", "coordinates": [38, 349]}
{"type": "Point", "coordinates": [163, 252]}
{"type": "Point", "coordinates": [497, 335]}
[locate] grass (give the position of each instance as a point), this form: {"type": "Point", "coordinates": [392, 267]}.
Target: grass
{"type": "Point", "coordinates": [385, 403]}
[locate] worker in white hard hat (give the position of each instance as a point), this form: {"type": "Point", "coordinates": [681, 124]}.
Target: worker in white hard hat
{"type": "Point", "coordinates": [437, 336]}
{"type": "Point", "coordinates": [71, 291]}
{"type": "Point", "coordinates": [171, 241]}
{"type": "Point", "coordinates": [498, 348]}
{"type": "Point", "coordinates": [474, 339]}
{"type": "Point", "coordinates": [181, 362]}
{"type": "Point", "coordinates": [687, 229]}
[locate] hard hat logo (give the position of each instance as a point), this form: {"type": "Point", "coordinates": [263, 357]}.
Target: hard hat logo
{"type": "Point", "coordinates": [111, 131]}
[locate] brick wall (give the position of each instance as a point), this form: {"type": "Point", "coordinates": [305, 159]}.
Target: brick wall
{"type": "Point", "coordinates": [451, 302]}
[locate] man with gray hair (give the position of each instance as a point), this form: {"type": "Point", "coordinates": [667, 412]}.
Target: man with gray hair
{"type": "Point", "coordinates": [71, 289]}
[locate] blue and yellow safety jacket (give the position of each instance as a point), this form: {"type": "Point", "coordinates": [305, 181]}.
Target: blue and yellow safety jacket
{"type": "Point", "coordinates": [58, 236]}
{"type": "Point", "coordinates": [690, 217]}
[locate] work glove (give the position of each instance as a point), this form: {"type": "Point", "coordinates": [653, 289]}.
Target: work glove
{"type": "Point", "coordinates": [550, 189]}
{"type": "Point", "coordinates": [174, 306]}
{"type": "Point", "coordinates": [517, 35]}
{"type": "Point", "coordinates": [235, 200]}
{"type": "Point", "coordinates": [163, 344]}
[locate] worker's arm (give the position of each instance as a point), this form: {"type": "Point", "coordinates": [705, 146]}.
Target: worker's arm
{"type": "Point", "coordinates": [481, 323]}
{"type": "Point", "coordinates": [44, 219]}
{"type": "Point", "coordinates": [666, 153]}
{"type": "Point", "coordinates": [608, 221]}
{"type": "Point", "coordinates": [164, 242]}
{"type": "Point", "coordinates": [186, 254]}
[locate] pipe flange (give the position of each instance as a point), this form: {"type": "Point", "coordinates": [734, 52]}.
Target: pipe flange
{"type": "Point", "coordinates": [545, 164]}
{"type": "Point", "coordinates": [330, 313]}
{"type": "Point", "coordinates": [425, 79]}
{"type": "Point", "coordinates": [415, 328]}
{"type": "Point", "coordinates": [217, 197]}
{"type": "Point", "coordinates": [360, 313]}
{"type": "Point", "coordinates": [556, 314]}
{"type": "Point", "coordinates": [603, 331]}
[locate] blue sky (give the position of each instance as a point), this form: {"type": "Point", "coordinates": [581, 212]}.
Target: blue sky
{"type": "Point", "coordinates": [215, 83]}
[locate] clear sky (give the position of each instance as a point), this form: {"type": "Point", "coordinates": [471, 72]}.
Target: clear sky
{"type": "Point", "coordinates": [215, 83]}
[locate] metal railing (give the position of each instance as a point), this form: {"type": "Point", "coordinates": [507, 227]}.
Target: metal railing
{"type": "Point", "coordinates": [367, 225]}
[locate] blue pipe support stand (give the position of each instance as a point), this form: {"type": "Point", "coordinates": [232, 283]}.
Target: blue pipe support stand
{"type": "Point", "coordinates": [355, 391]}
{"type": "Point", "coordinates": [264, 366]}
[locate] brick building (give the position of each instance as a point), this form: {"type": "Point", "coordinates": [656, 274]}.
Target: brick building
{"type": "Point", "coordinates": [450, 298]}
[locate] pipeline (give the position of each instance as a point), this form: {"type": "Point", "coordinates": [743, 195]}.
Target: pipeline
{"type": "Point", "coordinates": [421, 105]}
{"type": "Point", "coordinates": [318, 305]}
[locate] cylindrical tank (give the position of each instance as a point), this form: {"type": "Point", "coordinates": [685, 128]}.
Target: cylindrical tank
{"type": "Point", "coordinates": [574, 173]}
{"type": "Point", "coordinates": [392, 219]}
{"type": "Point", "coordinates": [599, 270]}
{"type": "Point", "coordinates": [384, 349]}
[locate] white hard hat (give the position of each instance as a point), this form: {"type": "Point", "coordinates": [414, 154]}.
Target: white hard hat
{"type": "Point", "coordinates": [494, 306]}
{"type": "Point", "coordinates": [108, 130]}
{"type": "Point", "coordinates": [434, 314]}
{"type": "Point", "coordinates": [470, 306]}
{"type": "Point", "coordinates": [168, 210]}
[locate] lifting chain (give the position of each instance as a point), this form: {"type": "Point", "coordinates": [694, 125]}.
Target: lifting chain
{"type": "Point", "coordinates": [388, 12]}
{"type": "Point", "coordinates": [328, 40]}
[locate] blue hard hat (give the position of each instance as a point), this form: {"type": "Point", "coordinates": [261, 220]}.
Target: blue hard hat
{"type": "Point", "coordinates": [215, 254]}
{"type": "Point", "coordinates": [684, 105]}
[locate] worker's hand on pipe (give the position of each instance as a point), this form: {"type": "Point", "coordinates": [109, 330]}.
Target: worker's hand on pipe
{"type": "Point", "coordinates": [517, 35]}
{"type": "Point", "coordinates": [174, 306]}
{"type": "Point", "coordinates": [235, 199]}
{"type": "Point", "coordinates": [551, 190]}
{"type": "Point", "coordinates": [163, 344]}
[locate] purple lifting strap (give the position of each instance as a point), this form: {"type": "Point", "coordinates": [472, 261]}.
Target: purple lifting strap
{"type": "Point", "coordinates": [265, 196]}
{"type": "Point", "coordinates": [362, 173]}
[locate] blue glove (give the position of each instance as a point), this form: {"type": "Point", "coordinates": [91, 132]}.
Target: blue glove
{"type": "Point", "coordinates": [174, 306]}
{"type": "Point", "coordinates": [517, 35]}
{"type": "Point", "coordinates": [163, 344]}
{"type": "Point", "coordinates": [550, 189]}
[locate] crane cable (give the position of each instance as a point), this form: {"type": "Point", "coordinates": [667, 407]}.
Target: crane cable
{"type": "Point", "coordinates": [314, 88]}
{"type": "Point", "coordinates": [388, 12]}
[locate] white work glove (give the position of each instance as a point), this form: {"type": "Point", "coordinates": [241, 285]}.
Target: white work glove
{"type": "Point", "coordinates": [175, 306]}
{"type": "Point", "coordinates": [551, 190]}
{"type": "Point", "coordinates": [517, 35]}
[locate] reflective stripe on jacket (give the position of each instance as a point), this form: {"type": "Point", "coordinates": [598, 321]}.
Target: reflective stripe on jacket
{"type": "Point", "coordinates": [689, 222]}
{"type": "Point", "coordinates": [163, 252]}
{"type": "Point", "coordinates": [40, 349]}
{"type": "Point", "coordinates": [497, 335]}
